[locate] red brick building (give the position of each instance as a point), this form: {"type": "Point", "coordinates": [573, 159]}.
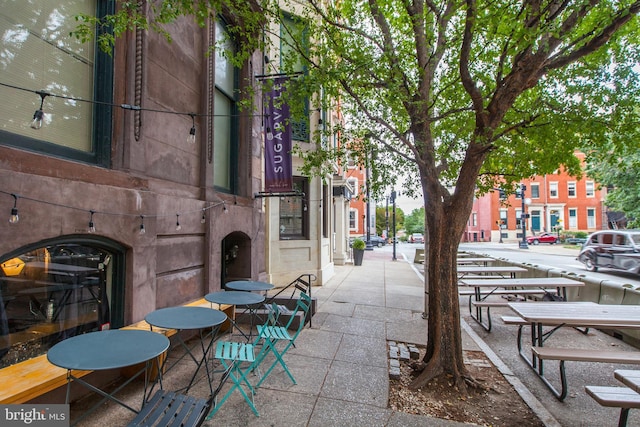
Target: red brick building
{"type": "Point", "coordinates": [555, 202]}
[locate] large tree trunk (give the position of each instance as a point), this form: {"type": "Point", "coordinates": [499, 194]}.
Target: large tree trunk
{"type": "Point", "coordinates": [444, 344]}
{"type": "Point", "coordinates": [445, 219]}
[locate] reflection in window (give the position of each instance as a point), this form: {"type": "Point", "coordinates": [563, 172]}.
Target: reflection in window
{"type": "Point", "coordinates": [225, 109]}
{"type": "Point", "coordinates": [37, 53]}
{"type": "Point", "coordinates": [52, 293]}
{"type": "Point", "coordinates": [294, 212]}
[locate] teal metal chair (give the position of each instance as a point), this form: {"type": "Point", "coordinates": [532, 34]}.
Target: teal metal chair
{"type": "Point", "coordinates": [233, 355]}
{"type": "Point", "coordinates": [273, 334]}
{"type": "Point", "coordinates": [239, 359]}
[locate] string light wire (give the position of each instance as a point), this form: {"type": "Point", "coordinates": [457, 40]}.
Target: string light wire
{"type": "Point", "coordinates": [193, 115]}
{"type": "Point", "coordinates": [93, 212]}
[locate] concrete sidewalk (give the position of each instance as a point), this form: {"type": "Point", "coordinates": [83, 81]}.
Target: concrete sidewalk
{"type": "Point", "coordinates": [341, 362]}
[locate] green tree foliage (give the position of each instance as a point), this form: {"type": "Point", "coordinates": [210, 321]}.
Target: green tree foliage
{"type": "Point", "coordinates": [414, 222]}
{"type": "Point", "coordinates": [382, 221]}
{"type": "Point", "coordinates": [457, 95]}
{"type": "Point", "coordinates": [619, 170]}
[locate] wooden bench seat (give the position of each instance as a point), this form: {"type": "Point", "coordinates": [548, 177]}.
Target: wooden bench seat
{"type": "Point", "coordinates": [472, 292]}
{"type": "Point", "coordinates": [514, 320]}
{"type": "Point", "coordinates": [35, 377]}
{"type": "Point", "coordinates": [615, 397]}
{"type": "Point", "coordinates": [579, 355]}
{"type": "Point", "coordinates": [504, 303]}
{"type": "Point", "coordinates": [586, 355]}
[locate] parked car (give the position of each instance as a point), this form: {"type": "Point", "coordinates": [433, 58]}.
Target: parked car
{"type": "Point", "coordinates": [617, 249]}
{"type": "Point", "coordinates": [542, 238]}
{"type": "Point", "coordinates": [575, 240]}
{"type": "Point", "coordinates": [375, 240]}
{"type": "Point", "coordinates": [416, 238]}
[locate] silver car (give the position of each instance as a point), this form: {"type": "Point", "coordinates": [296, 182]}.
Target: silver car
{"type": "Point", "coordinates": [617, 249]}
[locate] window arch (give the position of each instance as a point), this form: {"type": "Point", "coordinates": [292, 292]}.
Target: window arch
{"type": "Point", "coordinates": [56, 289]}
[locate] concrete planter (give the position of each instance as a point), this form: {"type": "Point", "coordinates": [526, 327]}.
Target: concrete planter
{"type": "Point", "coordinates": [358, 254]}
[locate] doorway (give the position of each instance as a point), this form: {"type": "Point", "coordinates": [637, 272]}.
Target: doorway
{"type": "Point", "coordinates": [236, 258]}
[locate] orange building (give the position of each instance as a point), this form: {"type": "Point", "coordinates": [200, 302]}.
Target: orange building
{"type": "Point", "coordinates": [555, 202]}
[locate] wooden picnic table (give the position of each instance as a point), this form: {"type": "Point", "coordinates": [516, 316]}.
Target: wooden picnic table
{"type": "Point", "coordinates": [479, 270]}
{"type": "Point", "coordinates": [573, 314]}
{"type": "Point", "coordinates": [511, 288]}
{"type": "Point", "coordinates": [475, 261]}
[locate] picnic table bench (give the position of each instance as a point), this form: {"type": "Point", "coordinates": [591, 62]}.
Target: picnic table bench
{"type": "Point", "coordinates": [575, 315]}
{"type": "Point", "coordinates": [616, 397]}
{"type": "Point", "coordinates": [580, 355]}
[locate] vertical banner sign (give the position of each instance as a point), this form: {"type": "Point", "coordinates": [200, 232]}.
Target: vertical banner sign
{"type": "Point", "coordinates": [277, 141]}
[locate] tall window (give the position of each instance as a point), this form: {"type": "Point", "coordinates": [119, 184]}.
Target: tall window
{"type": "Point", "coordinates": [553, 190]}
{"type": "Point", "coordinates": [535, 191]}
{"type": "Point", "coordinates": [354, 184]}
{"type": "Point", "coordinates": [591, 218]}
{"type": "Point", "coordinates": [573, 218]}
{"type": "Point", "coordinates": [294, 36]}
{"type": "Point", "coordinates": [38, 54]}
{"type": "Point", "coordinates": [589, 189]}
{"type": "Point", "coordinates": [353, 219]}
{"type": "Point", "coordinates": [294, 212]}
{"type": "Point", "coordinates": [325, 210]}
{"type": "Point", "coordinates": [224, 110]}
{"type": "Point", "coordinates": [571, 189]}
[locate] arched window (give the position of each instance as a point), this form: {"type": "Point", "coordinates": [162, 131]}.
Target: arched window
{"type": "Point", "coordinates": [57, 289]}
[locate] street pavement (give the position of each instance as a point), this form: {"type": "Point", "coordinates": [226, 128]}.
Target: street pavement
{"type": "Point", "coordinates": [341, 361]}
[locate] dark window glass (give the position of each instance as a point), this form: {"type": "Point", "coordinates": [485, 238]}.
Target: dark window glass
{"type": "Point", "coordinates": [294, 212]}
{"type": "Point", "coordinates": [55, 291]}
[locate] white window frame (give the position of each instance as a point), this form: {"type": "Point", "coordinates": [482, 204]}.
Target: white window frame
{"type": "Point", "coordinates": [572, 189]}
{"type": "Point", "coordinates": [354, 183]}
{"type": "Point", "coordinates": [573, 218]}
{"type": "Point", "coordinates": [353, 215]}
{"type": "Point", "coordinates": [590, 189]}
{"type": "Point", "coordinates": [537, 187]}
{"type": "Point", "coordinates": [553, 190]}
{"type": "Point", "coordinates": [591, 218]}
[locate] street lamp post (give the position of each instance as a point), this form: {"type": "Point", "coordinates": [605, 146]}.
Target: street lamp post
{"type": "Point", "coordinates": [393, 201]}
{"type": "Point", "coordinates": [523, 219]}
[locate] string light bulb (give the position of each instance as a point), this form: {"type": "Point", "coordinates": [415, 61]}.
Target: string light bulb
{"type": "Point", "coordinates": [224, 207]}
{"type": "Point", "coordinates": [92, 227]}
{"type": "Point", "coordinates": [191, 139]}
{"type": "Point", "coordinates": [269, 134]}
{"type": "Point", "coordinates": [204, 218]}
{"type": "Point", "coordinates": [14, 218]}
{"type": "Point", "coordinates": [142, 229]}
{"type": "Point", "coordinates": [178, 226]}
{"type": "Point", "coordinates": [36, 123]}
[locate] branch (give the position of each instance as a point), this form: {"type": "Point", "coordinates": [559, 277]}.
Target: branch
{"type": "Point", "coordinates": [465, 55]}
{"type": "Point", "coordinates": [389, 50]}
{"type": "Point", "coordinates": [622, 17]}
